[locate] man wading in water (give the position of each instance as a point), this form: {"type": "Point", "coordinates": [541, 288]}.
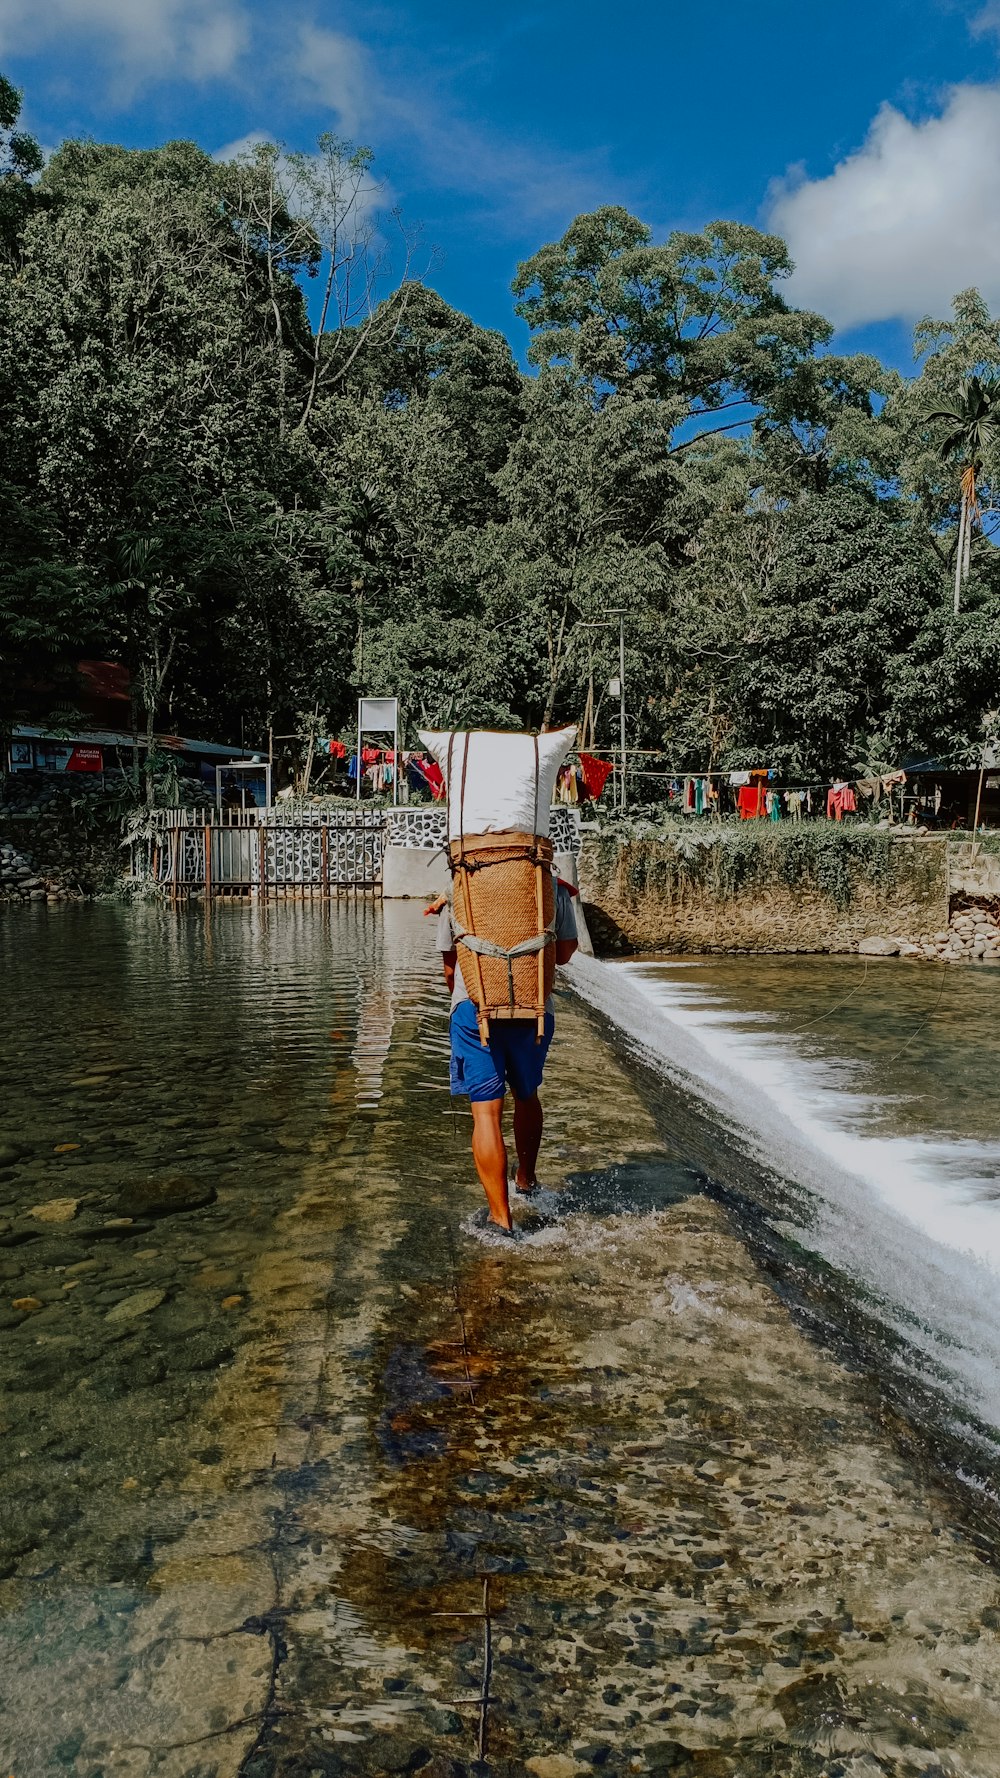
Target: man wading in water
{"type": "Point", "coordinates": [515, 1057]}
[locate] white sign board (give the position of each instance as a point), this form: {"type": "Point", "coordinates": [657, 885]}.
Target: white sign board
{"type": "Point", "coordinates": [379, 716]}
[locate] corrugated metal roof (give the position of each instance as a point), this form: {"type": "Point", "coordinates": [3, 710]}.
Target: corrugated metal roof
{"type": "Point", "coordinates": [116, 738]}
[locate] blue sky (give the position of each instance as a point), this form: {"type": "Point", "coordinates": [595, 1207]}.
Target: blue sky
{"type": "Point", "coordinates": [868, 133]}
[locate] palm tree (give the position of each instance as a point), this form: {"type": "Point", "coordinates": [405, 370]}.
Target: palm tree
{"type": "Point", "coordinates": [974, 422]}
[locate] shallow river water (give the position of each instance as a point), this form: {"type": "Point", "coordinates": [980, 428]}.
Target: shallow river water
{"type": "Point", "coordinates": [301, 1474]}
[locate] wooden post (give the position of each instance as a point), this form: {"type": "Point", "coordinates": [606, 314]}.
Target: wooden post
{"type": "Point", "coordinates": [324, 861]}
{"type": "Point", "coordinates": [208, 862]}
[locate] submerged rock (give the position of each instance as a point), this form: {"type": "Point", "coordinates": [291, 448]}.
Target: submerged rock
{"type": "Point", "coordinates": [55, 1210]}
{"type": "Point", "coordinates": [131, 1307]}
{"type": "Point", "coordinates": [164, 1197]}
{"type": "Point", "coordinates": [878, 947]}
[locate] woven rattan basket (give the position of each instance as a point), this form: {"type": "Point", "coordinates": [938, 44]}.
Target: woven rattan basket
{"type": "Point", "coordinates": [503, 891]}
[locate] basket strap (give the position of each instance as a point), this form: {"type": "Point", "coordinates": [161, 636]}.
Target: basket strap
{"type": "Point", "coordinates": [451, 749]}
{"type": "Point", "coordinates": [484, 947]}
{"type": "Point", "coordinates": [461, 795]}
{"type": "Point", "coordinates": [468, 899]}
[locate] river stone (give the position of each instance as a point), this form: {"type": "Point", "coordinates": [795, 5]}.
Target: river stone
{"type": "Point", "coordinates": [10, 1154]}
{"type": "Point", "coordinates": [878, 947]}
{"type": "Point", "coordinates": [55, 1210]}
{"type": "Point", "coordinates": [131, 1307]}
{"type": "Point", "coordinates": [164, 1197]}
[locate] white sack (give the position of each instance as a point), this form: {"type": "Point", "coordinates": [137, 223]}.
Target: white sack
{"type": "Point", "coordinates": [500, 793]}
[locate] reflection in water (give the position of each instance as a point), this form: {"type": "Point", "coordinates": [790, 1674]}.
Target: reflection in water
{"type": "Point", "coordinates": [276, 1426]}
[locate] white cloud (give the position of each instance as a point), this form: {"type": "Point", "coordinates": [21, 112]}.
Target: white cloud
{"type": "Point", "coordinates": [517, 182]}
{"type": "Point", "coordinates": [231, 151]}
{"type": "Point", "coordinates": [986, 23]}
{"type": "Point", "coordinates": [334, 70]}
{"type": "Point", "coordinates": [903, 223]}
{"type": "Point", "coordinates": [199, 39]}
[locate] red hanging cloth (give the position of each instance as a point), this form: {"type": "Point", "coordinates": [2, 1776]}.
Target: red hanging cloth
{"type": "Point", "coordinates": [750, 801]}
{"type": "Point", "coordinates": [596, 773]}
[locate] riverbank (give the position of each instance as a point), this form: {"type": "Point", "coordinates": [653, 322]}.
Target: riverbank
{"type": "Point", "coordinates": [791, 888]}
{"type": "Point", "coordinates": [267, 1451]}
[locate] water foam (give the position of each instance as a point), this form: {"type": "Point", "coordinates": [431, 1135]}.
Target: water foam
{"type": "Point", "coordinates": [903, 1217]}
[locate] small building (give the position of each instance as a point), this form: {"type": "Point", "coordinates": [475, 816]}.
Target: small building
{"type": "Point", "coordinates": [943, 795]}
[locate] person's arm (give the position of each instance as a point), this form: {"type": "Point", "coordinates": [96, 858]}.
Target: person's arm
{"type": "Point", "coordinates": [565, 948]}
{"type": "Point", "coordinates": [449, 962]}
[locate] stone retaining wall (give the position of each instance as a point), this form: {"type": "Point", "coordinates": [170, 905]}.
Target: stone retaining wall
{"type": "Point", "coordinates": [647, 894]}
{"type": "Point", "coordinates": [58, 841]}
{"type": "Point", "coordinates": [973, 871]}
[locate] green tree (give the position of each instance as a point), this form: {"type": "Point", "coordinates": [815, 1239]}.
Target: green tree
{"type": "Point", "coordinates": [409, 456]}
{"type": "Point", "coordinates": [20, 160]}
{"type": "Point", "coordinates": [589, 527]}
{"type": "Point", "coordinates": [813, 689]}
{"type": "Point", "coordinates": [972, 420]}
{"type": "Point", "coordinates": [144, 418]}
{"type": "Point", "coordinates": [699, 318]}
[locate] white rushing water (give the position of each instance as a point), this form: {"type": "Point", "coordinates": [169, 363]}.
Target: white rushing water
{"type": "Point", "coordinates": [911, 1219]}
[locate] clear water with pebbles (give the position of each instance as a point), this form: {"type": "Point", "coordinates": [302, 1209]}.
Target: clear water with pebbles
{"type": "Point", "coordinates": [280, 1423]}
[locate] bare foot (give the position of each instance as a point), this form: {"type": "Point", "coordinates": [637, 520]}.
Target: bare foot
{"type": "Point", "coordinates": [527, 1189]}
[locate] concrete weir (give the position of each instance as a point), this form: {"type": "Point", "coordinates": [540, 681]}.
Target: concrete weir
{"type": "Point", "coordinates": [601, 1500]}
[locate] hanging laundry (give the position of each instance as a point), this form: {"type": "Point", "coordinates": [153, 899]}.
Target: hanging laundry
{"type": "Point", "coordinates": [700, 789]}
{"type": "Point", "coordinates": [596, 773]}
{"type": "Point", "coordinates": [840, 801]}
{"type": "Point", "coordinates": [772, 801]}
{"type": "Point", "coordinates": [737, 778]}
{"type": "Point", "coordinates": [337, 750]}
{"type": "Point", "coordinates": [352, 766]}
{"type": "Point", "coordinates": [435, 779]}
{"type": "Point", "coordinates": [793, 803]}
{"type": "Point", "coordinates": [750, 800]}
{"type": "Point", "coordinates": [566, 786]}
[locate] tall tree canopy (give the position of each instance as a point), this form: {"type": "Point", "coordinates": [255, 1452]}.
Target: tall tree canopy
{"type": "Point", "coordinates": [250, 456]}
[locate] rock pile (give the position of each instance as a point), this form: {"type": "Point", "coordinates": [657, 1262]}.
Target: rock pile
{"type": "Point", "coordinates": [972, 936]}
{"type": "Point", "coordinates": [57, 840]}
{"type": "Point", "coordinates": [20, 881]}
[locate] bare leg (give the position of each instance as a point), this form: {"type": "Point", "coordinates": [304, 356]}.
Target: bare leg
{"type": "Point", "coordinates": [527, 1139]}
{"type": "Point", "coordinates": [490, 1155]}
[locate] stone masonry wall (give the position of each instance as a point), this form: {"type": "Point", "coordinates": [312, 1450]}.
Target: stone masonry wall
{"type": "Point", "coordinates": [973, 871]}
{"type": "Point", "coordinates": [653, 894]}
{"type": "Point", "coordinates": [58, 841]}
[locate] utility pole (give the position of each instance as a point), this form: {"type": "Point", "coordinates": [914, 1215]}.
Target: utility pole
{"type": "Point", "coordinates": [621, 688]}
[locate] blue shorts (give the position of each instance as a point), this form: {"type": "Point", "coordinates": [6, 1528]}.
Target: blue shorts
{"type": "Point", "coordinates": [514, 1055]}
